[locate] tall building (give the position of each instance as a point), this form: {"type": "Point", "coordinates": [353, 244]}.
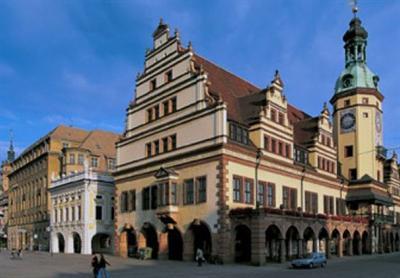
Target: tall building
{"type": "Point", "coordinates": [210, 161]}
{"type": "Point", "coordinates": [62, 151]}
{"type": "Point", "coordinates": [4, 185]}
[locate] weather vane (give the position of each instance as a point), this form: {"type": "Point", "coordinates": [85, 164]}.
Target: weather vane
{"type": "Point", "coordinates": [354, 7]}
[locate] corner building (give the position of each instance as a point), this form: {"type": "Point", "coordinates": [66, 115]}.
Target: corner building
{"type": "Point", "coordinates": [210, 161]}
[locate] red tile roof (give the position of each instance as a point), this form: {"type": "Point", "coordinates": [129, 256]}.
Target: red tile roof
{"type": "Point", "coordinates": [244, 100]}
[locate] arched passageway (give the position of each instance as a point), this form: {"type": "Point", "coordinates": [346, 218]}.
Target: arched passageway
{"type": "Point", "coordinates": [101, 243]}
{"type": "Point", "coordinates": [61, 243]}
{"type": "Point", "coordinates": [273, 244]}
{"type": "Point", "coordinates": [242, 244]}
{"type": "Point", "coordinates": [292, 242]}
{"type": "Point", "coordinates": [201, 238]}
{"type": "Point", "coordinates": [365, 243]}
{"type": "Point", "coordinates": [175, 244]}
{"type": "Point", "coordinates": [323, 239]}
{"type": "Point", "coordinates": [309, 240]}
{"type": "Point", "coordinates": [397, 242]}
{"type": "Point", "coordinates": [347, 244]}
{"type": "Point", "coordinates": [151, 239]}
{"type": "Point", "coordinates": [335, 243]}
{"type": "Point", "coordinates": [131, 242]}
{"type": "Point", "coordinates": [77, 243]}
{"type": "Point", "coordinates": [357, 245]}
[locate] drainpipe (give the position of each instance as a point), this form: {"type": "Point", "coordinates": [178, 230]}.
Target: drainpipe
{"type": "Point", "coordinates": [258, 160]}
{"type": "Point", "coordinates": [302, 188]}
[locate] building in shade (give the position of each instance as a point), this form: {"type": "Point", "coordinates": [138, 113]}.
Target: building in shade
{"type": "Point", "coordinates": [210, 161]}
{"type": "Point", "coordinates": [62, 151]}
{"type": "Point", "coordinates": [82, 213]}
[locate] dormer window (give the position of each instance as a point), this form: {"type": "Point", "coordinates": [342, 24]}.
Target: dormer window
{"type": "Point", "coordinates": [238, 133]}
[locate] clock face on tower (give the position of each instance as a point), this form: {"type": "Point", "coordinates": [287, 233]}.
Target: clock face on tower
{"type": "Point", "coordinates": [347, 121]}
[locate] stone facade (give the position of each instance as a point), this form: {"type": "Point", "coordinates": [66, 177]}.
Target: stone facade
{"type": "Point", "coordinates": [210, 161]}
{"type": "Point", "coordinates": [82, 213]}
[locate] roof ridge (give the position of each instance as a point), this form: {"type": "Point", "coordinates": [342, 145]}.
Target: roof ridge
{"type": "Point", "coordinates": [227, 71]}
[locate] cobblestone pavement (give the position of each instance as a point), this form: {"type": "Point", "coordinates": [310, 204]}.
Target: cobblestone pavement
{"type": "Point", "coordinates": [75, 266]}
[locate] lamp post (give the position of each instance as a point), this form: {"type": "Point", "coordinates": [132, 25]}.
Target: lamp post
{"type": "Point", "coordinates": [258, 160]}
{"type": "Point", "coordinates": [49, 229]}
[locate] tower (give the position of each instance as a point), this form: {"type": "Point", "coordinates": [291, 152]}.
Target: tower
{"type": "Point", "coordinates": [11, 152]}
{"type": "Point", "coordinates": [357, 114]}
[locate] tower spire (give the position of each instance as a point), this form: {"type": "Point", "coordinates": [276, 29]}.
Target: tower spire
{"type": "Point", "coordinates": [11, 152]}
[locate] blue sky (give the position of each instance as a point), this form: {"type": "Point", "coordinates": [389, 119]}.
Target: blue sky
{"type": "Point", "coordinates": [74, 62]}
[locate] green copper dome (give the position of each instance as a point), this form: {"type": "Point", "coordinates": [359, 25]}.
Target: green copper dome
{"type": "Point", "coordinates": [356, 75]}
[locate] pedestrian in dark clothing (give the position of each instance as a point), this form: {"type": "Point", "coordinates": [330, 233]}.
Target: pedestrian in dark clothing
{"type": "Point", "coordinates": [102, 267]}
{"type": "Point", "coordinates": [199, 257]}
{"type": "Point", "coordinates": [95, 266]}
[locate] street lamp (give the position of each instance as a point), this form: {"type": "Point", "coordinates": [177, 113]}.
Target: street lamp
{"type": "Point", "coordinates": [49, 229]}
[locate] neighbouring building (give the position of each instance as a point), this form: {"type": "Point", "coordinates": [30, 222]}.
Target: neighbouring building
{"type": "Point", "coordinates": [62, 151]}
{"type": "Point", "coordinates": [82, 212]}
{"type": "Point", "coordinates": [4, 185]}
{"type": "Point", "coordinates": [210, 161]}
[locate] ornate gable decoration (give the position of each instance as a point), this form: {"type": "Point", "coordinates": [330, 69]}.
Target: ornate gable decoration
{"type": "Point", "coordinates": [164, 173]}
{"type": "Point", "coordinates": [274, 92]}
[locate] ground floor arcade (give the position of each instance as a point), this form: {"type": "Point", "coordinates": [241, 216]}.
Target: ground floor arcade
{"type": "Point", "coordinates": [259, 238]}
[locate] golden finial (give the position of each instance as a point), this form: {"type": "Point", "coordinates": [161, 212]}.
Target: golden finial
{"type": "Point", "coordinates": [354, 7]}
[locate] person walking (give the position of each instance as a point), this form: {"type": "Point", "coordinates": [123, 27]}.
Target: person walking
{"type": "Point", "coordinates": [103, 273]}
{"type": "Point", "coordinates": [199, 257]}
{"type": "Point", "coordinates": [95, 266]}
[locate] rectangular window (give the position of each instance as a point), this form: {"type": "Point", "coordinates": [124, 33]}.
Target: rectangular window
{"type": "Point", "coordinates": [80, 159]}
{"type": "Point", "coordinates": [201, 184]}
{"type": "Point", "coordinates": [340, 206]}
{"type": "Point", "coordinates": [365, 114]}
{"type": "Point", "coordinates": [311, 202]}
{"type": "Point", "coordinates": [289, 198]}
{"type": "Point", "coordinates": [237, 186]}
{"type": "Point", "coordinates": [248, 191]}
{"type": "Point", "coordinates": [328, 205]}
{"type": "Point", "coordinates": [168, 76]}
{"type": "Point", "coordinates": [273, 145]}
{"type": "Point", "coordinates": [174, 194]}
{"type": "Point", "coordinates": [153, 84]}
{"type": "Point", "coordinates": [148, 149]}
{"type": "Point", "coordinates": [348, 151]}
{"type": "Point", "coordinates": [112, 213]}
{"type": "Point", "coordinates": [165, 144]}
{"type": "Point", "coordinates": [99, 212]}
{"type": "Point", "coordinates": [281, 118]}
{"type": "Point", "coordinates": [146, 198]}
{"type": "Point", "coordinates": [271, 195]}
{"type": "Point", "coordinates": [73, 213]}
{"type": "Point", "coordinates": [266, 143]}
{"type": "Point", "coordinates": [149, 115]}
{"type": "Point", "coordinates": [94, 162]}
{"type": "Point", "coordinates": [189, 191]}
{"type": "Point", "coordinates": [365, 100]}
{"type": "Point", "coordinates": [154, 200]}
{"type": "Point", "coordinates": [173, 142]}
{"type": "Point", "coordinates": [66, 214]}
{"type": "Point", "coordinates": [328, 141]}
{"type": "Point", "coordinates": [280, 148]}
{"type": "Point", "coordinates": [273, 115]}
{"type": "Point", "coordinates": [173, 104]}
{"type": "Point", "coordinates": [288, 150]}
{"type": "Point", "coordinates": [353, 174]}
{"type": "Point", "coordinates": [166, 107]}
{"type": "Point", "coordinates": [124, 202]}
{"type": "Point", "coordinates": [156, 112]}
{"type": "Point", "coordinates": [79, 212]}
{"type": "Point", "coordinates": [111, 164]}
{"type": "Point", "coordinates": [156, 145]}
{"type": "Point", "coordinates": [72, 158]}
{"type": "Point", "coordinates": [347, 102]}
{"type": "Point", "coordinates": [132, 200]}
{"type": "Point", "coordinates": [261, 193]}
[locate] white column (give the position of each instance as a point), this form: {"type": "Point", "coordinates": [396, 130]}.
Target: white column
{"type": "Point", "coordinates": [54, 242]}
{"type": "Point", "coordinates": [69, 243]}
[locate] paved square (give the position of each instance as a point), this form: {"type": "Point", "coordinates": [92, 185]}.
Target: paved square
{"type": "Point", "coordinates": [75, 266]}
